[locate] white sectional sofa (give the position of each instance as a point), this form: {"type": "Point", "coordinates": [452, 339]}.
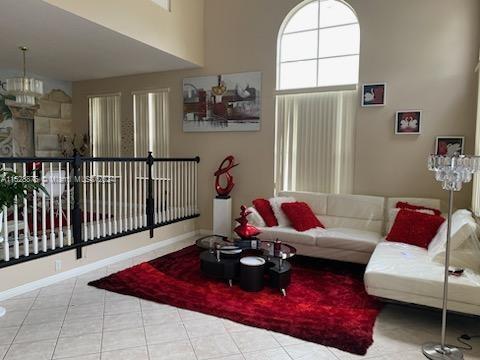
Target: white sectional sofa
{"type": "Point", "coordinates": [356, 226]}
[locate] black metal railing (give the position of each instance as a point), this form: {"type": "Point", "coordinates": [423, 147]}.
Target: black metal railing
{"type": "Point", "coordinates": [94, 199]}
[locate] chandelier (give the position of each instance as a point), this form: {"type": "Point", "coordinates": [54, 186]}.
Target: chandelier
{"type": "Point", "coordinates": [25, 89]}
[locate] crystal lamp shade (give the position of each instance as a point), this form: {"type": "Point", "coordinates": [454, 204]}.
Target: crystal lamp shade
{"type": "Point", "coordinates": [453, 171]}
{"type": "Point", "coordinates": [24, 89]}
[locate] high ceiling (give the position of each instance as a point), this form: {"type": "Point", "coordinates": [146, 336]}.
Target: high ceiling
{"type": "Point", "coordinates": [67, 47]}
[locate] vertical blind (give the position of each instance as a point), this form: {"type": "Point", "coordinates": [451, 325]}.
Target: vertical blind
{"type": "Point", "coordinates": [104, 125]}
{"type": "Point", "coordinates": [151, 129]}
{"type": "Point", "coordinates": [315, 142]}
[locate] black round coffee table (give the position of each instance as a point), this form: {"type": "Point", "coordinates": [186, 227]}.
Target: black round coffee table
{"type": "Point", "coordinates": [221, 260]}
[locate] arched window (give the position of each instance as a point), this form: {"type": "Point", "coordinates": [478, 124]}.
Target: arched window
{"type": "Point", "coordinates": [318, 46]}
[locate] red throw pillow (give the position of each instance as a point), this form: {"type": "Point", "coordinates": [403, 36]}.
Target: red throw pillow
{"type": "Point", "coordinates": [408, 206]}
{"type": "Point", "coordinates": [414, 228]}
{"type": "Point", "coordinates": [266, 212]}
{"type": "Point", "coordinates": [301, 216]}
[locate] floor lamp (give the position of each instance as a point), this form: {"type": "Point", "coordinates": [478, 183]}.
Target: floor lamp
{"type": "Point", "coordinates": [452, 172]}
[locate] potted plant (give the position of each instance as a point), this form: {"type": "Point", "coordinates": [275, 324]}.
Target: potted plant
{"type": "Point", "coordinates": [15, 188]}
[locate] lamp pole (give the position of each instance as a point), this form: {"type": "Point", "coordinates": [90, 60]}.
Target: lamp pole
{"type": "Point", "coordinates": [449, 167]}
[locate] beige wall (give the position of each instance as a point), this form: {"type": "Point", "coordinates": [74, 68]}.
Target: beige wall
{"type": "Point", "coordinates": [27, 272]}
{"type": "Point", "coordinates": [425, 49]}
{"type": "Point", "coordinates": [179, 32]}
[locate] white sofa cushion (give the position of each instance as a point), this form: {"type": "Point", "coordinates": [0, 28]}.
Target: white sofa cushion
{"type": "Point", "coordinates": [344, 222]}
{"type": "Point", "coordinates": [276, 204]}
{"type": "Point", "coordinates": [356, 206]}
{"type": "Point", "coordinates": [407, 273]}
{"type": "Point", "coordinates": [254, 218]}
{"type": "Point", "coordinates": [316, 201]}
{"type": "Point", "coordinates": [463, 227]}
{"type": "Point", "coordinates": [290, 235]}
{"type": "Point", "coordinates": [348, 239]}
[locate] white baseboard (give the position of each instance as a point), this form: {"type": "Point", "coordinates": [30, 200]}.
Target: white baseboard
{"type": "Point", "coordinates": [50, 280]}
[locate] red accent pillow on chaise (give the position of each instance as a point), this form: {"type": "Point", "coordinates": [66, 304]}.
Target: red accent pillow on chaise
{"type": "Point", "coordinates": [301, 216]}
{"type": "Point", "coordinates": [414, 228]}
{"type": "Point", "coordinates": [266, 212]}
{"type": "Point", "coordinates": [408, 206]}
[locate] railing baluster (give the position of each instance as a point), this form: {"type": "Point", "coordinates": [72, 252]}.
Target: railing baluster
{"type": "Point", "coordinates": [120, 197]}
{"type": "Point", "coordinates": [169, 194]}
{"type": "Point", "coordinates": [135, 195]}
{"type": "Point", "coordinates": [52, 208]}
{"type": "Point", "coordinates": [163, 188]}
{"type": "Point", "coordinates": [16, 246]}
{"type": "Point", "coordinates": [195, 187]}
{"type": "Point", "coordinates": [130, 195]}
{"type": "Point", "coordinates": [175, 192]}
{"type": "Point", "coordinates": [97, 205]}
{"type": "Point", "coordinates": [141, 197]}
{"type": "Point", "coordinates": [68, 209]}
{"type": "Point", "coordinates": [104, 224]}
{"type": "Point", "coordinates": [6, 245]}
{"type": "Point", "coordinates": [44, 213]}
{"type": "Point", "coordinates": [92, 224]}
{"type": "Point", "coordinates": [144, 195]}
{"type": "Point", "coordinates": [60, 210]}
{"type": "Point", "coordinates": [156, 190]}
{"type": "Point", "coordinates": [114, 168]}
{"type": "Point", "coordinates": [26, 242]}
{"type": "Point", "coordinates": [190, 192]}
{"type": "Point", "coordinates": [34, 211]}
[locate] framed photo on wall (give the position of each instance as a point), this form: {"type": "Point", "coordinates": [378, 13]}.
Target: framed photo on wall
{"type": "Point", "coordinates": [449, 145]}
{"type": "Point", "coordinates": [408, 122]}
{"type": "Point", "coordinates": [374, 94]}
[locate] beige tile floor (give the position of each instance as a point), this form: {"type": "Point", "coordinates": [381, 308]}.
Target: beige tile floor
{"type": "Point", "coordinates": [71, 320]}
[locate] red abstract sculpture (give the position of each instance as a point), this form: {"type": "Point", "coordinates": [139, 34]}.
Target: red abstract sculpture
{"type": "Point", "coordinates": [224, 169]}
{"type": "Point", "coordinates": [245, 230]}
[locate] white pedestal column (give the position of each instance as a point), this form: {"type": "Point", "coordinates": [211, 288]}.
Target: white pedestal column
{"type": "Point", "coordinates": [222, 217]}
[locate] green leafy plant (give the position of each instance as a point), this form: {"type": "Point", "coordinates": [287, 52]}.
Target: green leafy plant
{"type": "Point", "coordinates": [15, 188]}
{"type": "Point", "coordinates": [4, 109]}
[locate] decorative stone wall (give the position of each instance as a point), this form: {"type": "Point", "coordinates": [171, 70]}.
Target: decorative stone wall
{"type": "Point", "coordinates": [53, 119]}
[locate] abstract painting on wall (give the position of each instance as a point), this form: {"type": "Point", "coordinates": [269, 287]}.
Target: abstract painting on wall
{"type": "Point", "coordinates": [222, 103]}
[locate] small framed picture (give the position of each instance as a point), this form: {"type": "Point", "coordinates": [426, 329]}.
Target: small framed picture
{"type": "Point", "coordinates": [408, 122]}
{"type": "Point", "coordinates": [374, 94]}
{"type": "Point", "coordinates": [449, 145]}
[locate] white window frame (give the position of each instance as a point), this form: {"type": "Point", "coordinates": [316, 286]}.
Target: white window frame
{"type": "Point", "coordinates": [279, 61]}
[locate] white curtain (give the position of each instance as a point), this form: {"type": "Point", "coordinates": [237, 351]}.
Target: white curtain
{"type": "Point", "coordinates": [315, 142]}
{"type": "Point", "coordinates": [151, 123]}
{"type": "Point", "coordinates": [476, 178]}
{"type": "Point", "coordinates": [105, 128]}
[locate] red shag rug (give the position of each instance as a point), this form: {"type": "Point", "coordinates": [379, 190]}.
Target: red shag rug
{"type": "Point", "coordinates": [326, 302]}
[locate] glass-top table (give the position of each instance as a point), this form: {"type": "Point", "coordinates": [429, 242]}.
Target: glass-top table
{"type": "Point", "coordinates": [222, 258]}
{"type": "Point", "coordinates": [271, 249]}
